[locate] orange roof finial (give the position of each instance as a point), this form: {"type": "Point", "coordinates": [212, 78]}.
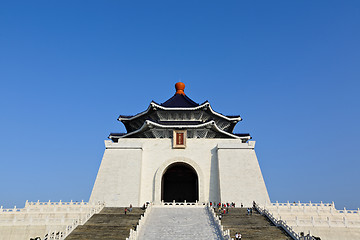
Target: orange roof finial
{"type": "Point", "coordinates": [179, 86]}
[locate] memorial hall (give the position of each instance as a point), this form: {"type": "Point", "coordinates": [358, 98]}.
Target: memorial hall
{"type": "Point", "coordinates": [179, 150]}
{"type": "Point", "coordinates": [179, 171]}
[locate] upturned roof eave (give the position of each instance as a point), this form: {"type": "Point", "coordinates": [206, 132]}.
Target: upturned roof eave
{"type": "Point", "coordinates": [156, 105]}
{"type": "Point", "coordinates": [212, 123]}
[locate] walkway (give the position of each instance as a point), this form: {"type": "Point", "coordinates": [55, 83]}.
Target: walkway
{"type": "Point", "coordinates": [179, 223]}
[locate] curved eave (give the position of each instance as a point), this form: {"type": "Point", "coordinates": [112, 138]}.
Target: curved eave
{"type": "Point", "coordinates": [203, 105]}
{"type": "Point", "coordinates": [149, 124]}
{"type": "Point", "coordinates": [137, 115]}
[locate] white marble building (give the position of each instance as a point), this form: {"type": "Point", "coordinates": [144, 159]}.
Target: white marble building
{"type": "Point", "coordinates": [179, 150]}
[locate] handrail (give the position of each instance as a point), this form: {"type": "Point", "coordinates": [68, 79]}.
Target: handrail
{"type": "Point", "coordinates": [225, 233]}
{"type": "Point", "coordinates": [182, 204]}
{"type": "Point", "coordinates": [58, 235]}
{"type": "Point", "coordinates": [282, 224]}
{"type": "Point", "coordinates": [40, 205]}
{"type": "Point", "coordinates": [134, 234]}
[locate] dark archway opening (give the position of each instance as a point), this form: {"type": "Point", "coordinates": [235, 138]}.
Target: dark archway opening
{"type": "Point", "coordinates": [180, 183]}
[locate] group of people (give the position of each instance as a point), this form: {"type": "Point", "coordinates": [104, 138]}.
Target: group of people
{"type": "Point", "coordinates": [237, 236]}
{"type": "Point", "coordinates": [222, 208]}
{"type": "Point", "coordinates": [232, 204]}
{"type": "Point", "coordinates": [249, 211]}
{"type": "Point", "coordinates": [126, 210]}
{"type": "Point", "coordinates": [129, 209]}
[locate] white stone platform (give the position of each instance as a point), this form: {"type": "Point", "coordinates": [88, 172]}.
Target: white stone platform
{"type": "Point", "coordinates": [320, 219]}
{"type": "Point", "coordinates": [36, 219]}
{"type": "Point", "coordinates": [179, 223]}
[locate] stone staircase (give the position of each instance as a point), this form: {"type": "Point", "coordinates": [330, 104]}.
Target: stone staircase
{"type": "Point", "coordinates": [180, 223]}
{"type": "Point", "coordinates": [255, 226]}
{"type": "Point", "coordinates": [110, 223]}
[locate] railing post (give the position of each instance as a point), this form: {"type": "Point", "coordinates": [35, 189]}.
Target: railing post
{"type": "Point", "coordinates": [345, 222]}
{"type": "Point", "coordinates": [313, 221]}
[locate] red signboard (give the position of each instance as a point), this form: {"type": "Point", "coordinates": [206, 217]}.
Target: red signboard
{"type": "Point", "coordinates": [179, 138]}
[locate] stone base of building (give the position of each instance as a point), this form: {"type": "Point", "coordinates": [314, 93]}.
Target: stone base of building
{"type": "Point", "coordinates": [138, 170]}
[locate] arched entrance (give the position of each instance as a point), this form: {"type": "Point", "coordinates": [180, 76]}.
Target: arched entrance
{"type": "Point", "coordinates": [179, 183]}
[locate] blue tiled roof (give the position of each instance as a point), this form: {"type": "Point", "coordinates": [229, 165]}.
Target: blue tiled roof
{"type": "Point", "coordinates": [179, 101]}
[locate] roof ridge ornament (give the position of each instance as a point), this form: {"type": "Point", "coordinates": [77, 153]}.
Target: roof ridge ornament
{"type": "Point", "coordinates": [180, 86]}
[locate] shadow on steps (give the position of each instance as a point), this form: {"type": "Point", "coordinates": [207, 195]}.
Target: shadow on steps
{"type": "Point", "coordinates": [255, 226]}
{"type": "Point", "coordinates": [110, 223]}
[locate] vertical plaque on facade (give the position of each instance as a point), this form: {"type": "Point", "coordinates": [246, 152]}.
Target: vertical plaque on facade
{"type": "Point", "coordinates": [179, 139]}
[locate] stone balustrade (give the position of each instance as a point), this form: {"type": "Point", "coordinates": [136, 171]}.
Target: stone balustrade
{"type": "Point", "coordinates": [315, 214]}
{"type": "Point", "coordinates": [185, 203]}
{"type": "Point", "coordinates": [69, 228]}
{"type": "Point", "coordinates": [322, 219]}
{"type": "Point", "coordinates": [55, 219]}
{"type": "Point", "coordinates": [283, 224]}
{"type": "Point", "coordinates": [225, 233]}
{"type": "Point", "coordinates": [134, 234]}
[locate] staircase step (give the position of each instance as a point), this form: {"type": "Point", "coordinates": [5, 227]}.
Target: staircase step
{"type": "Point", "coordinates": [181, 223]}
{"type": "Point", "coordinates": [110, 223]}
{"type": "Point", "coordinates": [255, 226]}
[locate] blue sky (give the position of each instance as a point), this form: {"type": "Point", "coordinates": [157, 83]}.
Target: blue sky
{"type": "Point", "coordinates": [289, 68]}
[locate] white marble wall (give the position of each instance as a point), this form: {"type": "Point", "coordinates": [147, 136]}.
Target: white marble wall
{"type": "Point", "coordinates": [131, 171]}
{"type": "Point", "coordinates": [241, 180]}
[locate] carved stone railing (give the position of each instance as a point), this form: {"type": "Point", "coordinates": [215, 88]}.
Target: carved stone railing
{"type": "Point", "coordinates": [282, 224]}
{"type": "Point", "coordinates": [58, 235]}
{"type": "Point", "coordinates": [134, 234]}
{"type": "Point", "coordinates": [300, 204]}
{"type": "Point", "coordinates": [43, 206]}
{"type": "Point", "coordinates": [182, 204]}
{"type": "Point", "coordinates": [315, 214]}
{"type": "Point", "coordinates": [225, 233]}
